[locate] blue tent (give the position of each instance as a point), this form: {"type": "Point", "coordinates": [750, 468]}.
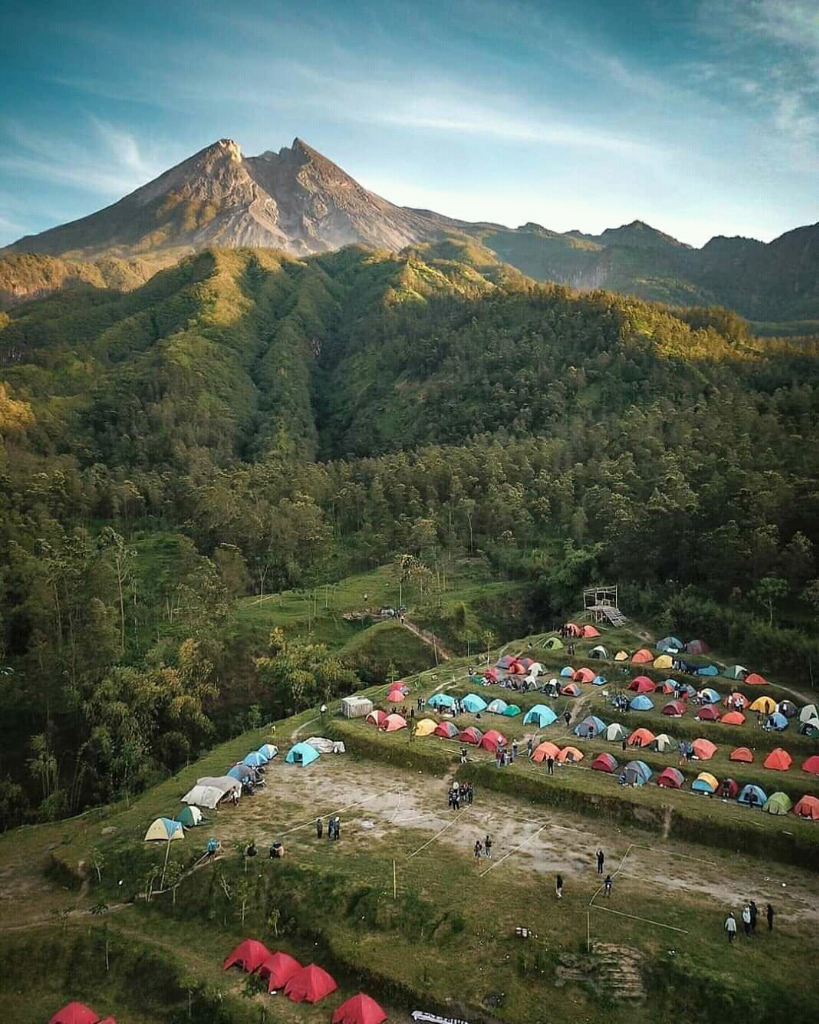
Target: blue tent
{"type": "Point", "coordinates": [441, 700]}
{"type": "Point", "coordinates": [708, 670]}
{"type": "Point", "coordinates": [641, 767]}
{"type": "Point", "coordinates": [567, 672]}
{"type": "Point", "coordinates": [472, 702]}
{"type": "Point", "coordinates": [590, 726]}
{"type": "Point", "coordinates": [512, 710]}
{"type": "Point", "coordinates": [302, 754]}
{"type": "Point", "coordinates": [541, 714]}
{"type": "Point", "coordinates": [702, 786]}
{"type": "Point", "coordinates": [254, 759]}
{"type": "Point", "coordinates": [599, 681]}
{"type": "Point", "coordinates": [759, 796]}
{"type": "Point", "coordinates": [240, 772]}
{"type": "Point", "coordinates": [710, 695]}
{"type": "Point", "coordinates": [670, 643]}
{"type": "Point", "coordinates": [497, 706]}
{"type": "Point", "coordinates": [641, 703]}
{"type": "Point", "coordinates": [777, 721]}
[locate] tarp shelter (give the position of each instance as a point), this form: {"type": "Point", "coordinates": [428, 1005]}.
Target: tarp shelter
{"type": "Point", "coordinates": [75, 1013]}
{"type": "Point", "coordinates": [778, 803]}
{"type": "Point", "coordinates": [541, 715]}
{"type": "Point", "coordinates": [496, 706]}
{"type": "Point", "coordinates": [765, 705]}
{"type": "Point", "coordinates": [447, 730]}
{"type": "Point", "coordinates": [304, 754]}
{"type": "Point", "coordinates": [670, 643]}
{"type": "Point", "coordinates": [492, 740]}
{"type": "Point", "coordinates": [278, 969]}
{"type": "Point", "coordinates": [356, 706]}
{"type": "Point", "coordinates": [710, 695]}
{"type": "Point", "coordinates": [642, 684]}
{"type": "Point", "coordinates": [753, 795]}
{"type": "Point", "coordinates": [671, 778]}
{"type": "Point", "coordinates": [324, 745]}
{"type": "Point", "coordinates": [641, 767]}
{"type": "Point", "coordinates": [255, 760]}
{"type": "Point", "coordinates": [209, 791]}
{"type": "Point", "coordinates": [604, 763]}
{"type": "Point", "coordinates": [739, 700]}
{"type": "Point", "coordinates": [733, 718]}
{"type": "Point", "coordinates": [554, 643]}
{"type": "Point", "coordinates": [779, 760]}
{"type": "Point", "coordinates": [164, 830]}
{"type": "Point", "coordinates": [641, 703]}
{"type": "Point", "coordinates": [441, 700]}
{"type": "Point", "coordinates": [710, 713]}
{"type": "Point", "coordinates": [189, 817]}
{"type": "Point", "coordinates": [704, 749]}
{"type": "Point", "coordinates": [309, 985]}
{"type": "Point", "coordinates": [755, 679]}
{"type": "Point", "coordinates": [567, 672]}
{"type": "Point", "coordinates": [807, 807]}
{"type": "Point", "coordinates": [571, 755]}
{"type": "Point", "coordinates": [735, 672]}
{"type": "Point", "coordinates": [641, 738]}
{"type": "Point", "coordinates": [675, 708]}
{"type": "Point", "coordinates": [621, 656]}
{"type": "Point", "coordinates": [511, 710]}
{"type": "Point", "coordinates": [590, 632]}
{"type": "Point", "coordinates": [811, 765]}
{"type": "Point", "coordinates": [361, 1009]}
{"type": "Point", "coordinates": [642, 657]}
{"type": "Point", "coordinates": [583, 675]}
{"type": "Point", "coordinates": [615, 732]}
{"type": "Point", "coordinates": [249, 955]}
{"type": "Point", "coordinates": [376, 718]}
{"type": "Point", "coordinates": [570, 690]}
{"type": "Point", "coordinates": [598, 652]}
{"type": "Point", "coordinates": [663, 743]}
{"type": "Point", "coordinates": [473, 703]}
{"type": "Point", "coordinates": [471, 735]}
{"type": "Point", "coordinates": [393, 722]}
{"type": "Point", "coordinates": [808, 713]}
{"type": "Point", "coordinates": [544, 750]}
{"type": "Point", "coordinates": [705, 782]}
{"type": "Point", "coordinates": [741, 754]}
{"type": "Point", "coordinates": [697, 647]}
{"type": "Point", "coordinates": [708, 670]}
{"type": "Point", "coordinates": [787, 708]}
{"type": "Point", "coordinates": [590, 726]}
{"type": "Point", "coordinates": [664, 661]}
{"type": "Point", "coordinates": [269, 751]}
{"type": "Point", "coordinates": [777, 722]}
{"type": "Point", "coordinates": [426, 727]}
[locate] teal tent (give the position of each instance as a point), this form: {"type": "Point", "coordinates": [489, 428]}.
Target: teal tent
{"type": "Point", "coordinates": [641, 703]}
{"type": "Point", "coordinates": [512, 710]}
{"type": "Point", "coordinates": [441, 700]}
{"type": "Point", "coordinates": [302, 754]}
{"type": "Point", "coordinates": [472, 702]}
{"type": "Point", "coordinates": [541, 715]}
{"type": "Point", "coordinates": [255, 760]}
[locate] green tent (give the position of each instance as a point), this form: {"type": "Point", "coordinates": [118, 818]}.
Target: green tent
{"type": "Point", "coordinates": [778, 803]}
{"type": "Point", "coordinates": [554, 643]}
{"type": "Point", "coordinates": [190, 816]}
{"type": "Point", "coordinates": [735, 672]}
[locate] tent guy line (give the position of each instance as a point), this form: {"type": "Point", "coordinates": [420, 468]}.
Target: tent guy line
{"type": "Point", "coordinates": [633, 917]}
{"type": "Point", "coordinates": [514, 850]}
{"type": "Point", "coordinates": [437, 834]}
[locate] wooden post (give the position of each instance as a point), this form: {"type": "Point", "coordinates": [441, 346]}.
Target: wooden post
{"type": "Point", "coordinates": [394, 883]}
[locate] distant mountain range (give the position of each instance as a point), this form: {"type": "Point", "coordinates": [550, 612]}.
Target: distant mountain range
{"type": "Point", "coordinates": [299, 201]}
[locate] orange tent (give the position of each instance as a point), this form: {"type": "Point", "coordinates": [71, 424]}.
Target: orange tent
{"type": "Point", "coordinates": [755, 679]}
{"type": "Point", "coordinates": [733, 718]}
{"type": "Point", "coordinates": [642, 656]}
{"type": "Point", "coordinates": [807, 807]}
{"type": "Point", "coordinates": [249, 955]}
{"type": "Point", "coordinates": [584, 675]}
{"type": "Point", "coordinates": [572, 629]}
{"type": "Point", "coordinates": [780, 760]}
{"type": "Point", "coordinates": [393, 722]}
{"type": "Point", "coordinates": [704, 749]}
{"type": "Point", "coordinates": [741, 754]}
{"type": "Point", "coordinates": [360, 1009]}
{"type": "Point", "coordinates": [75, 1013]}
{"type": "Point", "coordinates": [570, 754]}
{"type": "Point", "coordinates": [278, 969]}
{"type": "Point", "coordinates": [641, 738]}
{"type": "Point", "coordinates": [589, 632]}
{"type": "Point", "coordinates": [811, 765]}
{"type": "Point", "coordinates": [544, 750]}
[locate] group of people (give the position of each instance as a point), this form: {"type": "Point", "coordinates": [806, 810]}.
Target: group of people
{"type": "Point", "coordinates": [483, 848]}
{"type": "Point", "coordinates": [333, 828]}
{"type": "Point", "coordinates": [749, 915]}
{"type": "Point", "coordinates": [460, 793]}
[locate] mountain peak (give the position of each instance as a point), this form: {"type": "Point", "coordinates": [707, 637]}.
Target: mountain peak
{"type": "Point", "coordinates": [640, 235]}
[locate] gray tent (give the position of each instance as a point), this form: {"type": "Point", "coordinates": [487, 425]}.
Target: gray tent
{"type": "Point", "coordinates": [615, 732]}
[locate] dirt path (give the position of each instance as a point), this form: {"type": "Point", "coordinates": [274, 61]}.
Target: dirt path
{"type": "Point", "coordinates": [427, 638]}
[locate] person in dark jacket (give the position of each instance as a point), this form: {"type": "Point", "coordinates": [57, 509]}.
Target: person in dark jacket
{"type": "Point", "coordinates": [601, 857]}
{"type": "Point", "coordinates": [769, 913]}
{"type": "Point", "coordinates": [319, 828]}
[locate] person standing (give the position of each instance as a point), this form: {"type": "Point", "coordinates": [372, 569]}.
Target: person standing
{"type": "Point", "coordinates": [487, 845]}
{"type": "Point", "coordinates": [337, 828]}
{"type": "Point", "coordinates": [463, 755]}
{"type": "Point", "coordinates": [514, 749]}
{"type": "Point", "coordinates": [319, 828]}
{"type": "Point", "coordinates": [607, 885]}
{"type": "Point", "coordinates": [754, 913]}
{"type": "Point", "coordinates": [746, 920]}
{"type": "Point", "coordinates": [456, 800]}
{"type": "Point", "coordinates": [601, 857]}
{"type": "Point", "coordinates": [478, 849]}
{"type": "Point", "coordinates": [731, 927]}
{"type": "Point", "coordinates": [470, 792]}
{"type": "Point", "coordinates": [559, 887]}
{"type": "Point", "coordinates": [530, 743]}
{"type": "Point", "coordinates": [769, 913]}
{"type": "Point", "coordinates": [567, 717]}
{"type": "Point", "coordinates": [550, 765]}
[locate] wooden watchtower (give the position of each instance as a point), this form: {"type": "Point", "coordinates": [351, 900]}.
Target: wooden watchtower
{"type": "Point", "coordinates": [601, 603]}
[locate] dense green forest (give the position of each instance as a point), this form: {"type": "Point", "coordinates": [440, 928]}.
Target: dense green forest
{"type": "Point", "coordinates": [248, 422]}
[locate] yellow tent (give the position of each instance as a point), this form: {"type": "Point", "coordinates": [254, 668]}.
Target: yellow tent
{"type": "Point", "coordinates": [621, 656]}
{"type": "Point", "coordinates": [164, 830]}
{"type": "Point", "coordinates": [709, 778]}
{"type": "Point", "coordinates": [425, 727]}
{"type": "Point", "coordinates": [767, 705]}
{"type": "Point", "coordinates": [663, 661]}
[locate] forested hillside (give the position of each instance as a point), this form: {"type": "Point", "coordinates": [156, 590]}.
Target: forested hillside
{"type": "Point", "coordinates": [248, 421]}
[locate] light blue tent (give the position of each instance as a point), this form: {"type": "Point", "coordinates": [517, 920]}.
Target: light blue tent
{"type": "Point", "coordinates": [599, 681]}
{"type": "Point", "coordinates": [540, 714]}
{"type": "Point", "coordinates": [497, 706]}
{"type": "Point", "coordinates": [268, 750]}
{"type": "Point", "coordinates": [641, 767]}
{"type": "Point", "coordinates": [512, 710]}
{"type": "Point", "coordinates": [702, 786]}
{"type": "Point", "coordinates": [302, 754]}
{"type": "Point", "coordinates": [753, 794]}
{"type": "Point", "coordinates": [441, 700]}
{"type": "Point", "coordinates": [777, 721]}
{"type": "Point", "coordinates": [567, 672]}
{"type": "Point", "coordinates": [472, 702]}
{"type": "Point", "coordinates": [240, 772]}
{"type": "Point", "coordinates": [163, 830]}
{"type": "Point", "coordinates": [708, 670]}
{"type": "Point", "coordinates": [710, 695]}
{"type": "Point", "coordinates": [670, 643]}
{"type": "Point", "coordinates": [641, 703]}
{"type": "Point", "coordinates": [590, 726]}
{"type": "Point", "coordinates": [255, 760]}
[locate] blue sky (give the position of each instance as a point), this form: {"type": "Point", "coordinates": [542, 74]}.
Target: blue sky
{"type": "Point", "coordinates": [699, 116]}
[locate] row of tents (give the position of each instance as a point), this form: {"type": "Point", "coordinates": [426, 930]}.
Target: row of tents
{"type": "Point", "coordinates": [79, 1013]}
{"type": "Point", "coordinates": [308, 984]}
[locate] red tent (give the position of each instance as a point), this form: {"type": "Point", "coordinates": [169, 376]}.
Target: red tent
{"type": "Point", "coordinates": [697, 647]}
{"type": "Point", "coordinates": [642, 656]}
{"type": "Point", "coordinates": [604, 763]}
{"type": "Point", "coordinates": [709, 713]}
{"type": "Point", "coordinates": [811, 765]}
{"type": "Point", "coordinates": [75, 1013]}
{"type": "Point", "coordinates": [570, 690]}
{"type": "Point", "coordinates": [704, 749]}
{"type": "Point", "coordinates": [491, 673]}
{"type": "Point", "coordinates": [807, 807]}
{"type": "Point", "coordinates": [755, 679]}
{"type": "Point", "coordinates": [641, 738]}
{"type": "Point", "coordinates": [471, 735]}
{"type": "Point", "coordinates": [584, 675]}
{"type": "Point", "coordinates": [780, 760]}
{"type": "Point", "coordinates": [642, 684]}
{"type": "Point", "coordinates": [572, 629]}
{"type": "Point", "coordinates": [671, 778]}
{"type": "Point", "coordinates": [396, 696]}
{"type": "Point", "coordinates": [249, 955]}
{"type": "Point", "coordinates": [674, 707]}
{"type": "Point", "coordinates": [449, 730]}
{"type": "Point", "coordinates": [279, 969]}
{"type": "Point", "coordinates": [733, 718]}
{"type": "Point", "coordinates": [309, 985]}
{"type": "Point", "coordinates": [491, 740]}
{"type": "Point", "coordinates": [360, 1009]}
{"type": "Point", "coordinates": [741, 754]}
{"type": "Point", "coordinates": [732, 787]}
{"type": "Point", "coordinates": [739, 700]}
{"type": "Point", "coordinates": [589, 632]}
{"type": "Point", "coordinates": [376, 717]}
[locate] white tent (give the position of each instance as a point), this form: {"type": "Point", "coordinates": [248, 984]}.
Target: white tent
{"type": "Point", "coordinates": [808, 713]}
{"type": "Point", "coordinates": [325, 746]}
{"type": "Point", "coordinates": [356, 706]}
{"type": "Point", "coordinates": [209, 791]}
